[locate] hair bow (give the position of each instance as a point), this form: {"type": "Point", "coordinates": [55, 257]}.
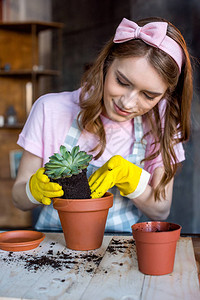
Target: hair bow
{"type": "Point", "coordinates": [153, 34]}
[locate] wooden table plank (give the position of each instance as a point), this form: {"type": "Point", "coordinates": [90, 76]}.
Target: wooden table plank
{"type": "Point", "coordinates": [15, 278]}
{"type": "Point", "coordinates": [69, 283]}
{"type": "Point", "coordinates": [46, 282]}
{"type": "Point", "coordinates": [110, 272]}
{"type": "Point", "coordinates": [117, 276]}
{"type": "Point", "coordinates": [128, 283]}
{"type": "Point", "coordinates": [196, 246]}
{"type": "Point", "coordinates": [182, 283]}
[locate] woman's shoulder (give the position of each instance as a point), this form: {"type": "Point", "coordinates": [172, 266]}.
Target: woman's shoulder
{"type": "Point", "coordinates": [56, 100]}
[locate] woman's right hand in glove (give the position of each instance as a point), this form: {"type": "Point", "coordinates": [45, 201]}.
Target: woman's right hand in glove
{"type": "Point", "coordinates": [42, 189]}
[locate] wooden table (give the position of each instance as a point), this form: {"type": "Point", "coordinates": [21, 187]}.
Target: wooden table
{"type": "Point", "coordinates": [51, 271]}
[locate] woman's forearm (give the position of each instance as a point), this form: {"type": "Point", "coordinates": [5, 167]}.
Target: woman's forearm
{"type": "Point", "coordinates": [154, 209]}
{"type": "Point", "coordinates": [29, 164]}
{"type": "Point", "coordinates": [146, 202]}
{"type": "Point", "coordinates": [20, 198]}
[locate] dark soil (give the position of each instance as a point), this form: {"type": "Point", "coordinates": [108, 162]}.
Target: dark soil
{"type": "Point", "coordinates": [75, 187]}
{"type": "Point", "coordinates": [54, 260]}
{"type": "Point", "coordinates": [119, 246]}
{"type": "Point", "coordinates": [60, 260]}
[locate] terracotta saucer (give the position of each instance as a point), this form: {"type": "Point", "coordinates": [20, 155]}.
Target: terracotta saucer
{"type": "Point", "coordinates": [20, 240]}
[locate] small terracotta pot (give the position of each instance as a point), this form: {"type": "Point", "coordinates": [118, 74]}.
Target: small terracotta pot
{"type": "Point", "coordinates": [83, 220]}
{"type": "Point", "coordinates": [156, 246]}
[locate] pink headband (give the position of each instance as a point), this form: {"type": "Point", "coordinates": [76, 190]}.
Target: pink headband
{"type": "Point", "coordinates": [153, 34]}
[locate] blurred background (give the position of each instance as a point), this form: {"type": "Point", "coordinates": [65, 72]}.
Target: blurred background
{"type": "Point", "coordinates": [47, 46]}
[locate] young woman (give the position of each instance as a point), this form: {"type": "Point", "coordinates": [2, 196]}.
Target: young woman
{"type": "Point", "coordinates": [132, 113]}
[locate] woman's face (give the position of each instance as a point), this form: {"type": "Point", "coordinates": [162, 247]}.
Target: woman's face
{"type": "Point", "coordinates": [132, 87]}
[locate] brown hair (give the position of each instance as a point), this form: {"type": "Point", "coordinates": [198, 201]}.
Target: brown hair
{"type": "Point", "coordinates": [178, 96]}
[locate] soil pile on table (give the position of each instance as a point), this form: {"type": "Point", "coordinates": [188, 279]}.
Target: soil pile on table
{"type": "Point", "coordinates": [55, 260]}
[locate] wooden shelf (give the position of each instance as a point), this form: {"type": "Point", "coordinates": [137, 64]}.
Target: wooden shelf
{"type": "Point", "coordinates": [16, 126]}
{"type": "Point", "coordinates": [29, 72]}
{"type": "Point", "coordinates": [27, 26]}
{"type": "Point", "coordinates": [22, 73]}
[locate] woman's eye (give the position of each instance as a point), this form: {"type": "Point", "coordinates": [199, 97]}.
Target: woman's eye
{"type": "Point", "coordinates": [148, 97]}
{"type": "Point", "coordinates": [121, 83]}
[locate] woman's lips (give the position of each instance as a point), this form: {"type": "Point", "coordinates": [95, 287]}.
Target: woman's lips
{"type": "Point", "coordinates": [121, 112]}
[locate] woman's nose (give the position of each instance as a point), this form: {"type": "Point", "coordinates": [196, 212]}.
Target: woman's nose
{"type": "Point", "coordinates": [129, 100]}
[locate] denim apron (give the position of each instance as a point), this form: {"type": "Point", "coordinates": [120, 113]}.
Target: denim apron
{"type": "Point", "coordinates": [123, 214]}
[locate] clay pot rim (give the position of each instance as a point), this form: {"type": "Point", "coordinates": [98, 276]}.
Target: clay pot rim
{"type": "Point", "coordinates": [107, 194]}
{"type": "Point", "coordinates": [82, 205]}
{"type": "Point", "coordinates": [137, 229]}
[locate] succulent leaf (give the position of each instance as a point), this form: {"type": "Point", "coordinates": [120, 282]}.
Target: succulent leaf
{"type": "Point", "coordinates": [67, 164]}
{"type": "Point", "coordinates": [49, 173]}
{"type": "Point", "coordinates": [68, 158]}
{"type": "Point", "coordinates": [62, 150]}
{"type": "Point", "coordinates": [66, 172]}
{"type": "Point", "coordinates": [58, 156]}
{"type": "Point", "coordinates": [75, 151]}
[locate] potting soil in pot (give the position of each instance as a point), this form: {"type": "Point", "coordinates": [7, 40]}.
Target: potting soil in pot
{"type": "Point", "coordinates": [75, 187]}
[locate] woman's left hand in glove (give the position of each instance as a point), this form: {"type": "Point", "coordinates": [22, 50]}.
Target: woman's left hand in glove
{"type": "Point", "coordinates": [130, 179]}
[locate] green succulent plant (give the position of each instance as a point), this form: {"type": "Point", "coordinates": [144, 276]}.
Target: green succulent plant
{"type": "Point", "coordinates": [67, 163]}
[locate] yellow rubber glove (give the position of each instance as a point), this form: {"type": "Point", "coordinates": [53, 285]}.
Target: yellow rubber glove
{"type": "Point", "coordinates": [42, 189]}
{"type": "Point", "coordinates": [130, 179]}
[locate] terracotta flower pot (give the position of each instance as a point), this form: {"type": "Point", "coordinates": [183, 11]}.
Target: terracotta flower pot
{"type": "Point", "coordinates": [156, 246]}
{"type": "Point", "coordinates": [83, 220]}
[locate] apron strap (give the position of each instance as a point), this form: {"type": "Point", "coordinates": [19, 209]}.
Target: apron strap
{"type": "Point", "coordinates": [73, 135]}
{"type": "Point", "coordinates": [138, 128]}
{"type": "Point", "coordinates": [139, 148]}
